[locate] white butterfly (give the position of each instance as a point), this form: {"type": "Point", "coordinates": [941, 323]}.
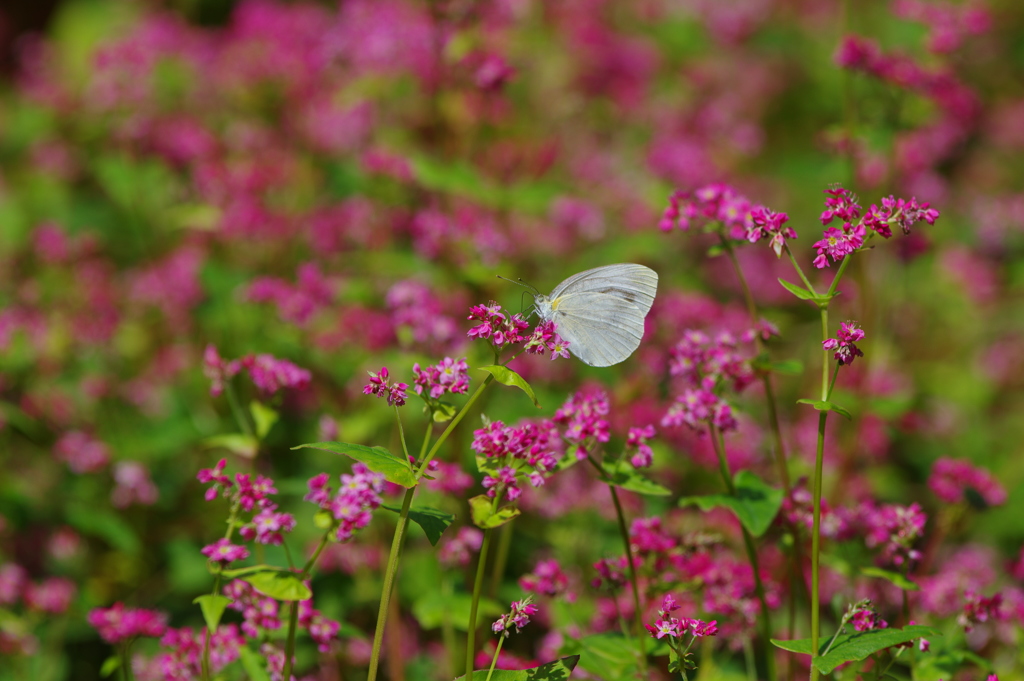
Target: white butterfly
{"type": "Point", "coordinates": [601, 311]}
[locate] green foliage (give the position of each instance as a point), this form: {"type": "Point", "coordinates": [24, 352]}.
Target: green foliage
{"type": "Point", "coordinates": [755, 504]}
{"type": "Point", "coordinates": [856, 646]}
{"type": "Point", "coordinates": [394, 468]}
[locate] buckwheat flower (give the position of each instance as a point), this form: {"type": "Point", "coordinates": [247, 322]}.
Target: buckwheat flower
{"type": "Point", "coordinates": [611, 571]}
{"type": "Point", "coordinates": [221, 483]}
{"type": "Point", "coordinates": [545, 337]}
{"type": "Point", "coordinates": [844, 343]}
{"type": "Point", "coordinates": [583, 422]}
{"type": "Point", "coordinates": [223, 551]}
{"type": "Point", "coordinates": [260, 613]}
{"type": "Point", "coordinates": [865, 619]}
{"type": "Point", "coordinates": [82, 452]}
{"type": "Point", "coordinates": [355, 501]}
{"type": "Point", "coordinates": [907, 213]}
{"type": "Point", "coordinates": [838, 243]}
{"type": "Point", "coordinates": [518, 617]}
{"type": "Point", "coordinates": [953, 480]}
{"type": "Point", "coordinates": [117, 624]}
{"type": "Point", "coordinates": [978, 609]}
{"type": "Point", "coordinates": [219, 371]}
{"type": "Point", "coordinates": [697, 409]}
{"type": "Point", "coordinates": [459, 550]}
{"type": "Point", "coordinates": [636, 442]}
{"type": "Point", "coordinates": [322, 630]}
{"type": "Point", "coordinates": [647, 537]}
{"type": "Point", "coordinates": [254, 492]}
{"type": "Point", "coordinates": [547, 578]}
{"type": "Point", "coordinates": [841, 203]}
{"type": "Point", "coordinates": [132, 485]}
{"type": "Point", "coordinates": [701, 629]}
{"type": "Point", "coordinates": [448, 376]}
{"type": "Point", "coordinates": [185, 651]}
{"type": "Point", "coordinates": [504, 482]}
{"type": "Point", "coordinates": [448, 478]}
{"type": "Point", "coordinates": [766, 224]}
{"type": "Point", "coordinates": [714, 203]}
{"type": "Point", "coordinates": [13, 580]}
{"type": "Point", "coordinates": [52, 595]}
{"type": "Point", "coordinates": [895, 528]}
{"type": "Point", "coordinates": [270, 374]}
{"type": "Point", "coordinates": [381, 386]}
{"type": "Point", "coordinates": [268, 526]}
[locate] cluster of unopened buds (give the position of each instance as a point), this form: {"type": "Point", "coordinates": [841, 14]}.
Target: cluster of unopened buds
{"type": "Point", "coordinates": [518, 617]}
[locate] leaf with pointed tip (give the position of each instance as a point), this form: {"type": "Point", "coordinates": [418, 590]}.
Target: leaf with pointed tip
{"type": "Point", "coordinates": [628, 478]}
{"type": "Point", "coordinates": [394, 468]}
{"type": "Point", "coordinates": [213, 606]}
{"type": "Point", "coordinates": [755, 505]}
{"type": "Point", "coordinates": [263, 416]}
{"type": "Point", "coordinates": [823, 405]}
{"type": "Point", "coordinates": [254, 664]}
{"type": "Point", "coordinates": [244, 446]}
{"type": "Point", "coordinates": [110, 665]}
{"type": "Point", "coordinates": [433, 521]}
{"type": "Point", "coordinates": [282, 585]}
{"type": "Point", "coordinates": [559, 670]}
{"type": "Point", "coordinates": [485, 517]}
{"type": "Point", "coordinates": [506, 376]}
{"type": "Point", "coordinates": [902, 581]}
{"type": "Point", "coordinates": [857, 645]}
{"type": "Point", "coordinates": [798, 291]}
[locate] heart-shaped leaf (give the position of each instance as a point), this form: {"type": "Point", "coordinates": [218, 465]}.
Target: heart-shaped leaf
{"type": "Point", "coordinates": [506, 376]}
{"type": "Point", "coordinates": [484, 517]}
{"type": "Point", "coordinates": [433, 521]}
{"type": "Point", "coordinates": [628, 478]}
{"type": "Point", "coordinates": [212, 606]}
{"type": "Point", "coordinates": [284, 586]}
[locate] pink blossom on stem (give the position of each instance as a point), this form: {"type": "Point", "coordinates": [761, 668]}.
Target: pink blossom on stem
{"type": "Point", "coordinates": [844, 343]}
{"type": "Point", "coordinates": [952, 480]}
{"type": "Point", "coordinates": [518, 617]}
{"type": "Point", "coordinates": [118, 624]}
{"type": "Point", "coordinates": [766, 224]}
{"type": "Point", "coordinates": [219, 371]}
{"type": "Point", "coordinates": [448, 376]}
{"type": "Point", "coordinates": [82, 452]}
{"type": "Point", "coordinates": [270, 374]}
{"type": "Point", "coordinates": [380, 385]}
{"type": "Point", "coordinates": [224, 552]}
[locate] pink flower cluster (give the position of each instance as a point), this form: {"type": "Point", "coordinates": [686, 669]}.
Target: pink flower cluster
{"type": "Point", "coordinates": [547, 578]}
{"type": "Point", "coordinates": [949, 24]}
{"type": "Point", "coordinates": [223, 551]}
{"type": "Point", "coordinates": [865, 618]}
{"type": "Point", "coordinates": [709, 361]}
{"type": "Point", "coordinates": [415, 307]}
{"type": "Point", "coordinates": [52, 595]}
{"type": "Point", "coordinates": [296, 303]}
{"type": "Point", "coordinates": [82, 452]}
{"type": "Point", "coordinates": [118, 624]}
{"type": "Point", "coordinates": [978, 609]}
{"type": "Point", "coordinates": [531, 449]}
{"type": "Point", "coordinates": [896, 529]}
{"type": "Point", "coordinates": [353, 506]}
{"type": "Point", "coordinates": [518, 617]}
{"type": "Point", "coordinates": [448, 376]}
{"type": "Point", "coordinates": [713, 203]}
{"type": "Point", "coordinates": [583, 421]}
{"type": "Point", "coordinates": [183, 659]}
{"type": "Point", "coordinates": [767, 224]}
{"type": "Point", "coordinates": [268, 373]}
{"type": "Point", "coordinates": [259, 612]}
{"type": "Point", "coordinates": [951, 480]}
{"type": "Point", "coordinates": [667, 625]}
{"type": "Point", "coordinates": [380, 385]}
{"type": "Point", "coordinates": [844, 343]}
{"type": "Point", "coordinates": [699, 407]}
{"type": "Point", "coordinates": [504, 330]}
{"type": "Point", "coordinates": [460, 549]}
{"type": "Point", "coordinates": [640, 453]}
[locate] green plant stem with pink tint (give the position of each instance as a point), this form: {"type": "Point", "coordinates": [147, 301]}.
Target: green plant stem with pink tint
{"type": "Point", "coordinates": [494, 660]}
{"type": "Point", "coordinates": [478, 582]}
{"type": "Point", "coordinates": [748, 542]}
{"type": "Point", "coordinates": [403, 522]}
{"type": "Point", "coordinates": [638, 613]}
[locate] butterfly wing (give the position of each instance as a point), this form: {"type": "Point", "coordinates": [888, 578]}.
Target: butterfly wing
{"type": "Point", "coordinates": [601, 311]}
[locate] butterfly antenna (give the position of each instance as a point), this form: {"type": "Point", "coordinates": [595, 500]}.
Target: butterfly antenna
{"type": "Point", "coordinates": [520, 282]}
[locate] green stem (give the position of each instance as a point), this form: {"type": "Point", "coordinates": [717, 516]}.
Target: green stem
{"type": "Point", "coordinates": [748, 542]}
{"type": "Point", "coordinates": [638, 616]}
{"type": "Point", "coordinates": [799, 270]}
{"type": "Point", "coordinates": [389, 582]}
{"type": "Point", "coordinates": [451, 426]}
{"type": "Point", "coordinates": [816, 542]}
{"type": "Point", "coordinates": [126, 662]}
{"type": "Point", "coordinates": [481, 565]}
{"type": "Point", "coordinates": [447, 630]}
{"type": "Point", "coordinates": [501, 558]}
{"type": "Point", "coordinates": [289, 652]}
{"type": "Point", "coordinates": [494, 660]}
{"type": "Point", "coordinates": [236, 409]}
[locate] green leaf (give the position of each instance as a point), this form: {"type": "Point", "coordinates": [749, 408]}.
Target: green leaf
{"type": "Point", "coordinates": [608, 656]}
{"type": "Point", "coordinates": [394, 468]}
{"type": "Point", "coordinates": [432, 608]}
{"type": "Point", "coordinates": [444, 412]}
{"type": "Point", "coordinates": [902, 581]}
{"type": "Point", "coordinates": [95, 521]}
{"type": "Point", "coordinates": [284, 586]}
{"type": "Point", "coordinates": [263, 416]}
{"type": "Point", "coordinates": [506, 376]}
{"type": "Point", "coordinates": [212, 606]}
{"type": "Point", "coordinates": [856, 646]}
{"type": "Point", "coordinates": [244, 446]}
{"type": "Point", "coordinates": [433, 521]}
{"type": "Point", "coordinates": [756, 502]}
{"type": "Point", "coordinates": [110, 665]}
{"type": "Point", "coordinates": [822, 405]}
{"type": "Point", "coordinates": [798, 291]}
{"type": "Point", "coordinates": [485, 518]}
{"type": "Point", "coordinates": [559, 670]}
{"type": "Point", "coordinates": [628, 478]}
{"type": "Point", "coordinates": [238, 573]}
{"type": "Point", "coordinates": [254, 664]}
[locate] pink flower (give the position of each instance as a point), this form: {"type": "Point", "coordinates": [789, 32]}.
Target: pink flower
{"type": "Point", "coordinates": [380, 385]}
{"type": "Point", "coordinates": [223, 551]}
{"type": "Point", "coordinates": [518, 617]}
{"type": "Point", "coordinates": [449, 376]}
{"type": "Point", "coordinates": [458, 550]}
{"type": "Point", "coordinates": [221, 482]}
{"type": "Point", "coordinates": [268, 527]}
{"type": "Point", "coordinates": [766, 224]}
{"type": "Point", "coordinates": [838, 243]}
{"type": "Point", "coordinates": [642, 455]}
{"type": "Point", "coordinates": [953, 480]}
{"type": "Point", "coordinates": [82, 452]}
{"type": "Point", "coordinates": [117, 624]}
{"type": "Point", "coordinates": [353, 506]}
{"type": "Point", "coordinates": [270, 374]}
{"type": "Point", "coordinates": [547, 578]}
{"type": "Point", "coordinates": [844, 344]}
{"type": "Point", "coordinates": [218, 370]}
{"type": "Point", "coordinates": [51, 595]}
{"type": "Point", "coordinates": [132, 485]}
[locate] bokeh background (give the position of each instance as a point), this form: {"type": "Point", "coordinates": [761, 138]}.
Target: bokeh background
{"type": "Point", "coordinates": [335, 184]}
